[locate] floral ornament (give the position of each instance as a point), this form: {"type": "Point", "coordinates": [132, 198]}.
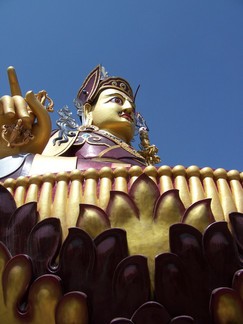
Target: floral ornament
{"type": "Point", "coordinates": [146, 216]}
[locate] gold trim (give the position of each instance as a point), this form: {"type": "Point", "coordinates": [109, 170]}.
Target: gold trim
{"type": "Point", "coordinates": [108, 149]}
{"type": "Point", "coordinates": [122, 144]}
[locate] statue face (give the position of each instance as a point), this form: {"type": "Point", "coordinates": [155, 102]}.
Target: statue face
{"type": "Point", "coordinates": [114, 112]}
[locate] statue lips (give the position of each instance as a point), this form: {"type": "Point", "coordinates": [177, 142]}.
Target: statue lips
{"type": "Point", "coordinates": [126, 116]}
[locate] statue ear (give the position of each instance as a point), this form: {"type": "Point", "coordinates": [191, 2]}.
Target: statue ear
{"type": "Point", "coordinates": [87, 114]}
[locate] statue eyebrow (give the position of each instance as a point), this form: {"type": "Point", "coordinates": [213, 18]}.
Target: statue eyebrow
{"type": "Point", "coordinates": [116, 94]}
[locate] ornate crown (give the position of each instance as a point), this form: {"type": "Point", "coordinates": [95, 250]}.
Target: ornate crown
{"type": "Point", "coordinates": [97, 81]}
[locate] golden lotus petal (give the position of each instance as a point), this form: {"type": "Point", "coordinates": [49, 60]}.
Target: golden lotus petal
{"type": "Point", "coordinates": [72, 309]}
{"type": "Point", "coordinates": [44, 296]}
{"type": "Point", "coordinates": [92, 219]}
{"type": "Point", "coordinates": [16, 277]}
{"type": "Point", "coordinates": [199, 215]}
{"type": "Point", "coordinates": [121, 210]}
{"type": "Point", "coordinates": [144, 192]}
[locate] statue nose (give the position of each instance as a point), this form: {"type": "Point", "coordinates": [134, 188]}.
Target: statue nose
{"type": "Point", "coordinates": [128, 106]}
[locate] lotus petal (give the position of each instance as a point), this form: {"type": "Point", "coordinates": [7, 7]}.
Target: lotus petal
{"type": "Point", "coordinates": [111, 248]}
{"type": "Point", "coordinates": [92, 219]}
{"type": "Point", "coordinates": [131, 285]}
{"type": "Point", "coordinates": [121, 320]}
{"type": "Point", "coordinates": [72, 308]}
{"type": "Point", "coordinates": [44, 295]}
{"type": "Point", "coordinates": [122, 210]}
{"type": "Point", "coordinates": [186, 242]}
{"type": "Point", "coordinates": [19, 227]}
{"type": "Point", "coordinates": [182, 320]}
{"type": "Point", "coordinates": [238, 283]}
{"type": "Point", "coordinates": [199, 215]}
{"type": "Point", "coordinates": [144, 192]}
{"type": "Point", "coordinates": [169, 208]}
{"type": "Point", "coordinates": [221, 254]}
{"type": "Point", "coordinates": [77, 259]}
{"type": "Point", "coordinates": [44, 244]}
{"type": "Point", "coordinates": [236, 220]}
{"type": "Point", "coordinates": [172, 289]}
{"type": "Point", "coordinates": [151, 313]}
{"type": "Point", "coordinates": [226, 306]}
{"type": "Point", "coordinates": [15, 281]}
{"type": "Point", "coordinates": [7, 208]}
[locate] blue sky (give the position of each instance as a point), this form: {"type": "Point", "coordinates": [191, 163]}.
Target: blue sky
{"type": "Point", "coordinates": [187, 55]}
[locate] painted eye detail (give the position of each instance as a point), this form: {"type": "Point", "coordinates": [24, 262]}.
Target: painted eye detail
{"type": "Point", "coordinates": [117, 100]}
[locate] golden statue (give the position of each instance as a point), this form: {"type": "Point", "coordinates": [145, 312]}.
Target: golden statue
{"type": "Point", "coordinates": [107, 109]}
{"type": "Point", "coordinates": [92, 232]}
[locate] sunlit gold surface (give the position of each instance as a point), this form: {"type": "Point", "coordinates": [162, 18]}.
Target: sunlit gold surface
{"type": "Point", "coordinates": [16, 110]}
{"type": "Point", "coordinates": [114, 113]}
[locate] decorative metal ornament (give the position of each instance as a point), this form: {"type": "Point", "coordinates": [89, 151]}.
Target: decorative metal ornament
{"type": "Point", "coordinates": [16, 135]}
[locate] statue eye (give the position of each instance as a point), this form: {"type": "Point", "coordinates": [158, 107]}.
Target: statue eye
{"type": "Point", "coordinates": [117, 100]}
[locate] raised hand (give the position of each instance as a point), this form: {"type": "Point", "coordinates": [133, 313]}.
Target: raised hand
{"type": "Point", "coordinates": [25, 125]}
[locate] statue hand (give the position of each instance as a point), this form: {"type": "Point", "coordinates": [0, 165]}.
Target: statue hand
{"type": "Point", "coordinates": [25, 125]}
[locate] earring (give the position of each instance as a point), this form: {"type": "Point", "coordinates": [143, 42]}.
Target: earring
{"type": "Point", "coordinates": [89, 120]}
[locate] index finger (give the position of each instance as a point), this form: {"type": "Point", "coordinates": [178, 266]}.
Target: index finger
{"type": "Point", "coordinates": [13, 82]}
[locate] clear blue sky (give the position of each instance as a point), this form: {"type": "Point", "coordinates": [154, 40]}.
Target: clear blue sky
{"type": "Point", "coordinates": [186, 54]}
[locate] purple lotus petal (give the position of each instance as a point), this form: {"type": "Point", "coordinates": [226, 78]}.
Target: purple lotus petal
{"type": "Point", "coordinates": [182, 320]}
{"type": "Point", "coordinates": [77, 259]}
{"type": "Point", "coordinates": [111, 248]}
{"type": "Point", "coordinates": [238, 283]}
{"type": "Point", "coordinates": [226, 306]}
{"type": "Point", "coordinates": [236, 220]}
{"type": "Point", "coordinates": [7, 208]}
{"type": "Point", "coordinates": [131, 285]}
{"type": "Point", "coordinates": [151, 313]}
{"type": "Point", "coordinates": [44, 244]}
{"type": "Point", "coordinates": [19, 227]}
{"type": "Point", "coordinates": [172, 289]}
{"type": "Point", "coordinates": [221, 254]}
{"type": "Point", "coordinates": [121, 320]}
{"type": "Point", "coordinates": [186, 242]}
